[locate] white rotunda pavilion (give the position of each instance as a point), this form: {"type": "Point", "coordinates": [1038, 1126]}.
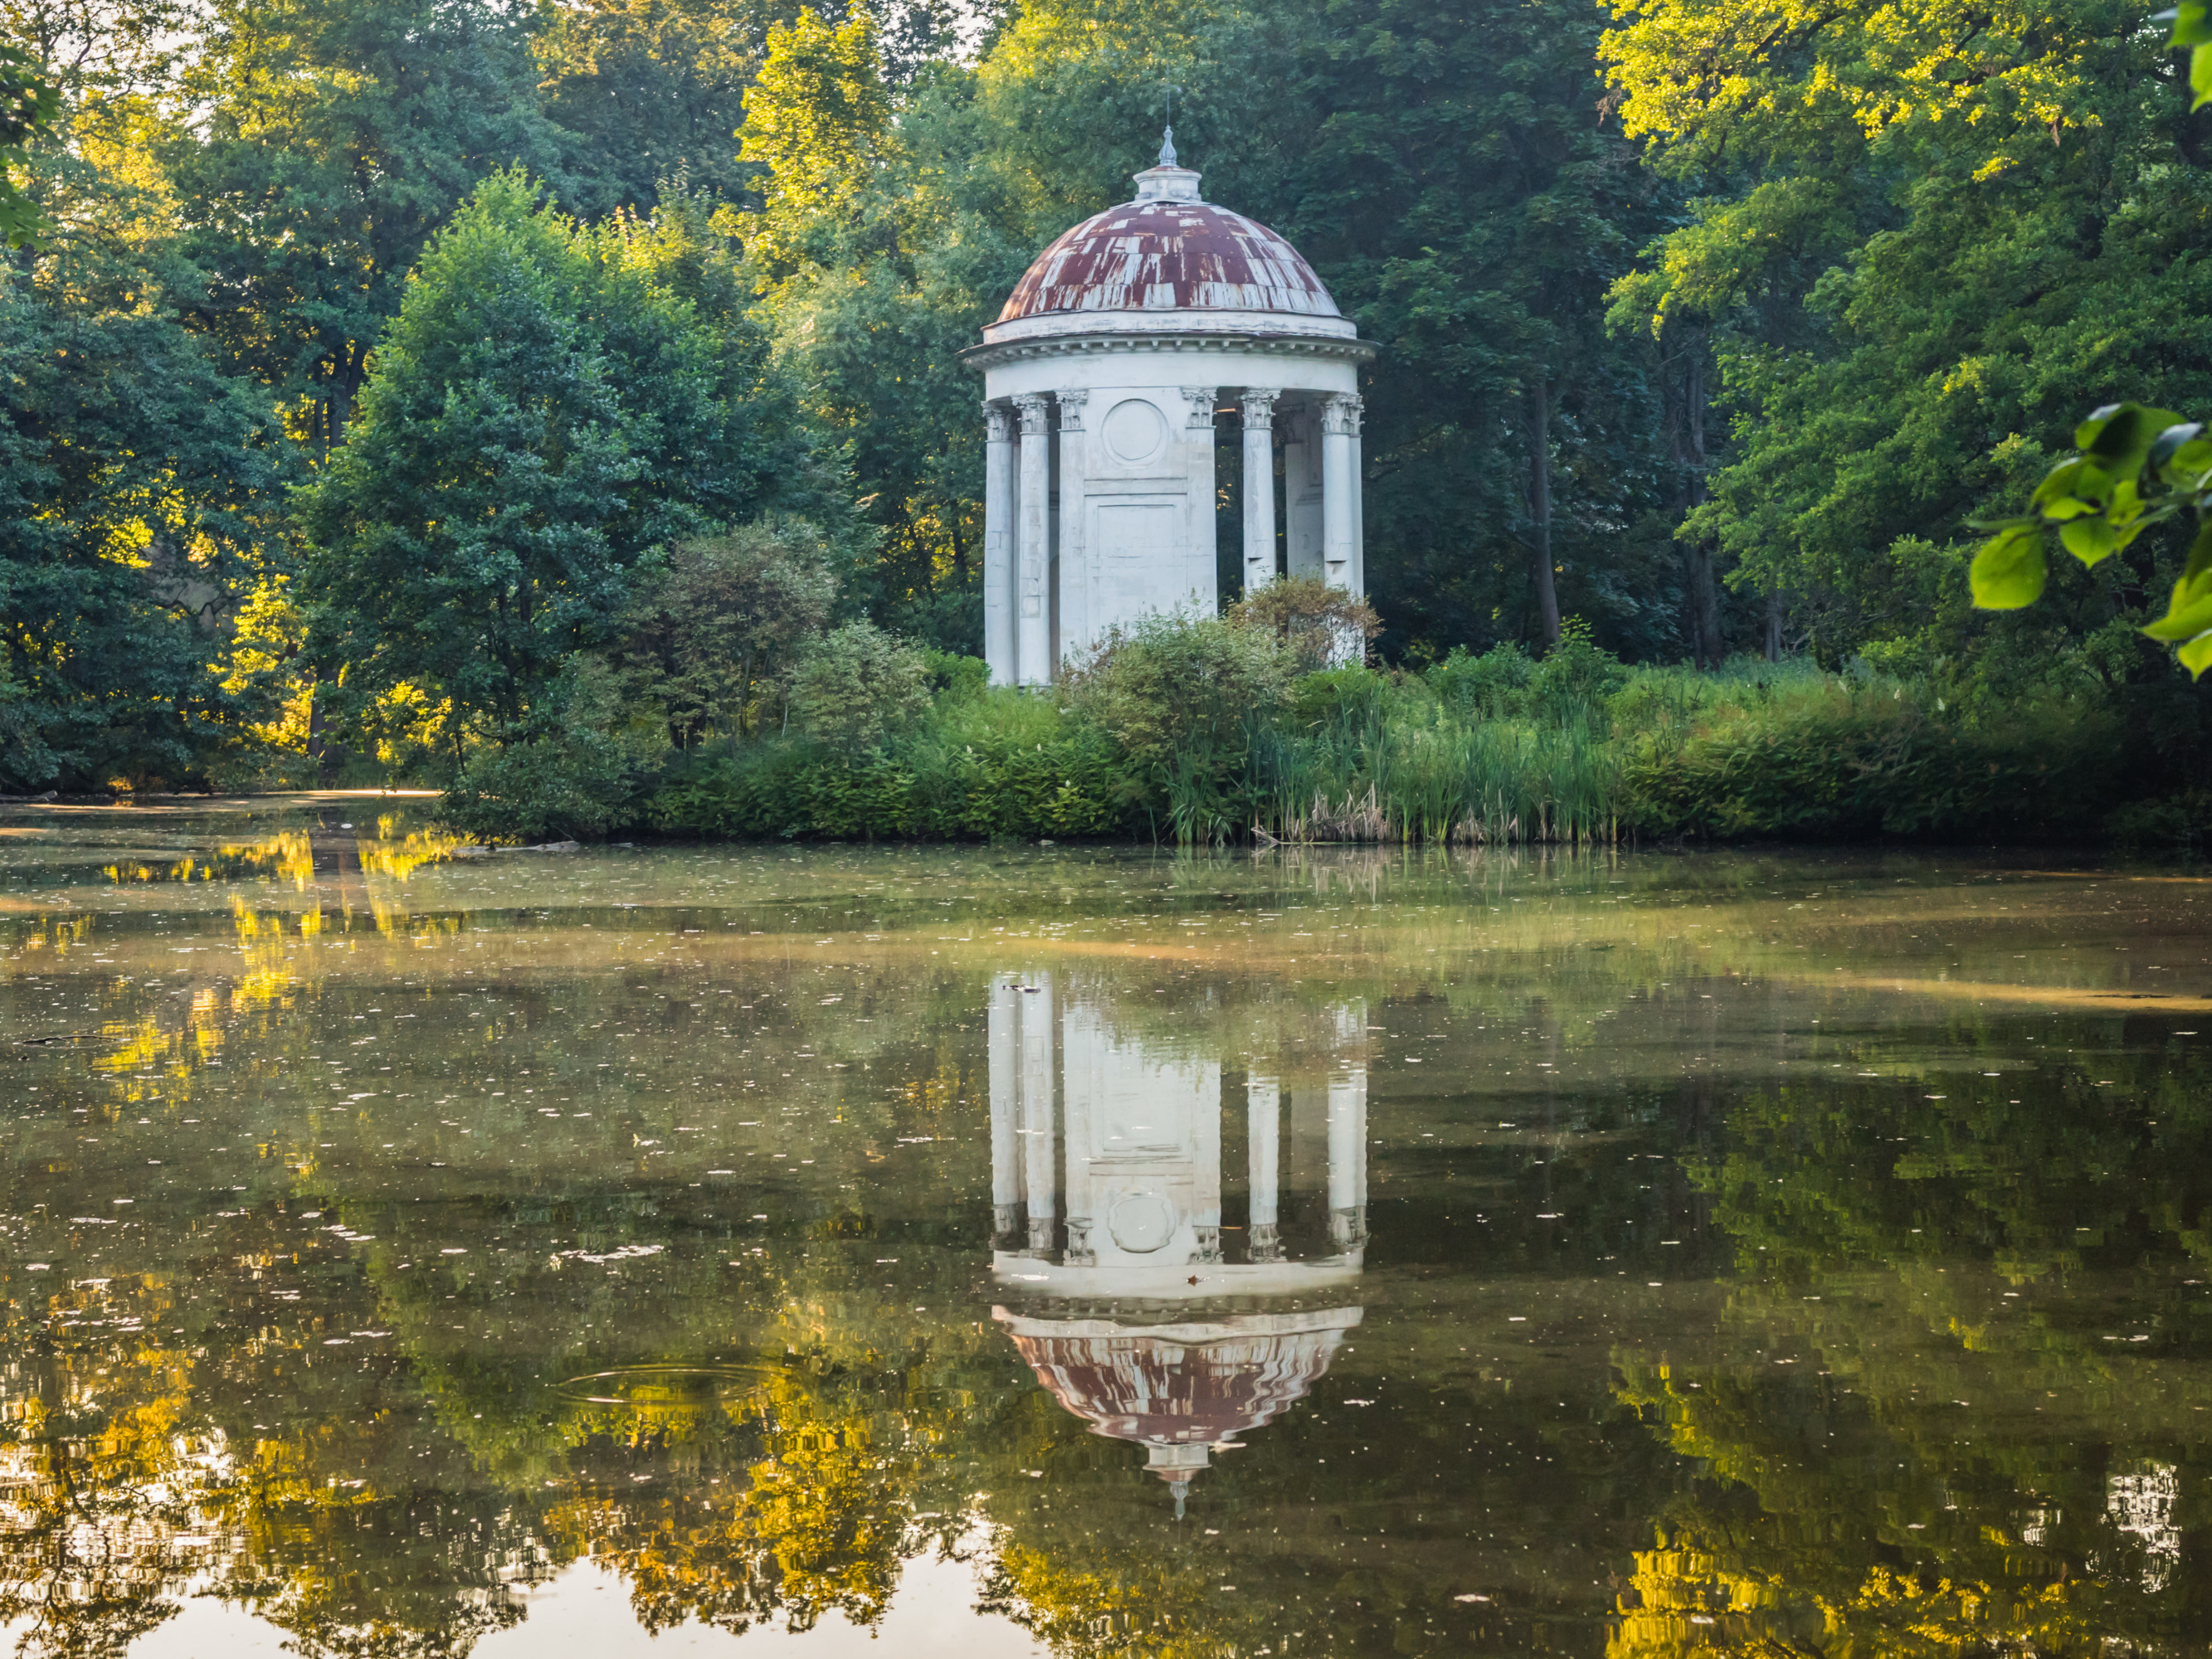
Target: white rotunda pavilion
{"type": "Point", "coordinates": [1101, 380]}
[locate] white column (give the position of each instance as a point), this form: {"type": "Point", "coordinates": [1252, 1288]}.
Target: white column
{"type": "Point", "coordinates": [1037, 1109]}
{"type": "Point", "coordinates": [999, 542]}
{"type": "Point", "coordinates": [1347, 1158]}
{"type": "Point", "coordinates": [1259, 409]}
{"type": "Point", "coordinates": [1033, 552]}
{"type": "Point", "coordinates": [1004, 1023]}
{"type": "Point", "coordinates": [1074, 607]}
{"type": "Point", "coordinates": [1201, 581]}
{"type": "Point", "coordinates": [1359, 510]}
{"type": "Point", "coordinates": [1339, 426]}
{"type": "Point", "coordinates": [1263, 1113]}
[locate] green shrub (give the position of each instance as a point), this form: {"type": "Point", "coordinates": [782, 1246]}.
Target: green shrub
{"type": "Point", "coordinates": [1576, 674]}
{"type": "Point", "coordinates": [716, 616]}
{"type": "Point", "coordinates": [578, 772]}
{"type": "Point", "coordinates": [1353, 693]}
{"type": "Point", "coordinates": [954, 677]}
{"type": "Point", "coordinates": [1844, 762]}
{"type": "Point", "coordinates": [1489, 685]}
{"type": "Point", "coordinates": [2181, 823]}
{"type": "Point", "coordinates": [929, 784]}
{"type": "Point", "coordinates": [1318, 625]}
{"type": "Point", "coordinates": [1171, 683]}
{"type": "Point", "coordinates": [855, 684]}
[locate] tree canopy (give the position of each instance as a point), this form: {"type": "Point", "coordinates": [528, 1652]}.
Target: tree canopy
{"type": "Point", "coordinates": [1719, 329]}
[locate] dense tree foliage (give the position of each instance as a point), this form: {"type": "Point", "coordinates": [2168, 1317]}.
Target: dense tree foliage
{"type": "Point", "coordinates": [1925, 238]}
{"type": "Point", "coordinates": [1716, 329]}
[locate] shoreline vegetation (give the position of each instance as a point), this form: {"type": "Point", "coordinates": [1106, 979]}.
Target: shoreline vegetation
{"type": "Point", "coordinates": [1237, 730]}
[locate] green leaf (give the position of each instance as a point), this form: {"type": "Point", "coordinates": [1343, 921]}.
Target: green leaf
{"type": "Point", "coordinates": [2009, 572]}
{"type": "Point", "coordinates": [2061, 494]}
{"type": "Point", "coordinates": [2184, 621]}
{"type": "Point", "coordinates": [2199, 567]}
{"type": "Point", "coordinates": [2196, 655]}
{"type": "Point", "coordinates": [2200, 77]}
{"type": "Point", "coordinates": [2188, 463]}
{"type": "Point", "coordinates": [2168, 443]}
{"type": "Point", "coordinates": [2092, 539]}
{"type": "Point", "coordinates": [2119, 435]}
{"type": "Point", "coordinates": [2091, 429]}
{"type": "Point", "coordinates": [2192, 25]}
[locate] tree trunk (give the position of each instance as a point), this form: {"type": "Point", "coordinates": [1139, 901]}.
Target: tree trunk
{"type": "Point", "coordinates": [1774, 624]}
{"type": "Point", "coordinates": [1705, 591]}
{"type": "Point", "coordinates": [346, 376]}
{"type": "Point", "coordinates": [1540, 506]}
{"type": "Point", "coordinates": [1684, 414]}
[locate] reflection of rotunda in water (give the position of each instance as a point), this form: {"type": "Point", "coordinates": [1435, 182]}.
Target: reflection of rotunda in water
{"type": "Point", "coordinates": [1135, 1291]}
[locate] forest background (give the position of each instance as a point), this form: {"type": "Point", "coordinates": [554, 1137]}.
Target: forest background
{"type": "Point", "coordinates": [559, 403]}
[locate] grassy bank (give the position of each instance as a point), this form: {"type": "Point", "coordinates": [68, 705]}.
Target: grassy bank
{"type": "Point", "coordinates": [1487, 750]}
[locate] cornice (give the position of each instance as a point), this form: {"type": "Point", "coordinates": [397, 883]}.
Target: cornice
{"type": "Point", "coordinates": [997, 356]}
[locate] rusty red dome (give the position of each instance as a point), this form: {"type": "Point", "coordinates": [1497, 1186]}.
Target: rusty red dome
{"type": "Point", "coordinates": [1168, 250]}
{"type": "Point", "coordinates": [1191, 1384]}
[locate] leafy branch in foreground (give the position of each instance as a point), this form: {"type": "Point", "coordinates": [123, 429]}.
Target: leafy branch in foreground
{"type": "Point", "coordinates": [2193, 29]}
{"type": "Point", "coordinates": [2133, 467]}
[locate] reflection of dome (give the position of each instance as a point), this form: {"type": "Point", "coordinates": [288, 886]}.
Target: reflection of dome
{"type": "Point", "coordinates": [1177, 1390]}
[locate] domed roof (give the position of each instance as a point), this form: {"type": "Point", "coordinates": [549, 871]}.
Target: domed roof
{"type": "Point", "coordinates": [1159, 258]}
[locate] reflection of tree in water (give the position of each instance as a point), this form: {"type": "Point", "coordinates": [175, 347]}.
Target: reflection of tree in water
{"type": "Point", "coordinates": [364, 1522]}
{"type": "Point", "coordinates": [98, 1481]}
{"type": "Point", "coordinates": [419, 1575]}
{"type": "Point", "coordinates": [796, 1498]}
{"type": "Point", "coordinates": [1963, 1403]}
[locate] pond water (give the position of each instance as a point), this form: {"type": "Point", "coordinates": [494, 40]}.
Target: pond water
{"type": "Point", "coordinates": [1065, 1251]}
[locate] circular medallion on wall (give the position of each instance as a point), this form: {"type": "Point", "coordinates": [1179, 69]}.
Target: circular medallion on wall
{"type": "Point", "coordinates": [1134, 432]}
{"type": "Point", "coordinates": [1140, 1222]}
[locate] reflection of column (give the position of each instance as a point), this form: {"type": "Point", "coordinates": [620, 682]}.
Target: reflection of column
{"type": "Point", "coordinates": [1339, 426]}
{"type": "Point", "coordinates": [999, 542]}
{"type": "Point", "coordinates": [1259, 409]}
{"type": "Point", "coordinates": [1004, 1024]}
{"type": "Point", "coordinates": [1033, 619]}
{"type": "Point", "coordinates": [1347, 1158]}
{"type": "Point", "coordinates": [1036, 1109]}
{"type": "Point", "coordinates": [1205, 1173]}
{"type": "Point", "coordinates": [1263, 1106]}
{"type": "Point", "coordinates": [1072, 590]}
{"type": "Point", "coordinates": [1081, 1093]}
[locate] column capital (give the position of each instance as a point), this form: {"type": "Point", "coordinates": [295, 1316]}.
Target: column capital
{"type": "Point", "coordinates": [1201, 408]}
{"type": "Point", "coordinates": [998, 423]}
{"type": "Point", "coordinates": [1340, 414]}
{"type": "Point", "coordinates": [1259, 409]}
{"type": "Point", "coordinates": [1037, 413]}
{"type": "Point", "coordinates": [1071, 399]}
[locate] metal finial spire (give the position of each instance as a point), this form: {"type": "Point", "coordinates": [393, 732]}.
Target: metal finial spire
{"type": "Point", "coordinates": [1167, 135]}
